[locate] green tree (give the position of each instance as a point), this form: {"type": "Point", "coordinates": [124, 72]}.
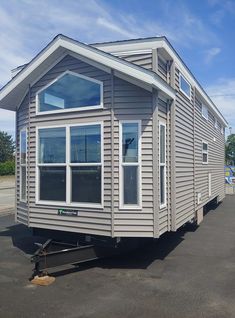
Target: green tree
{"type": "Point", "coordinates": [230, 150]}
{"type": "Point", "coordinates": [7, 147]}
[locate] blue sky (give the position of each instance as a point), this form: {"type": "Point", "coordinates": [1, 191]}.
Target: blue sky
{"type": "Point", "coordinates": [202, 32]}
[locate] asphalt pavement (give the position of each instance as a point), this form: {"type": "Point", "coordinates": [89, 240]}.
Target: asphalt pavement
{"type": "Point", "coordinates": [190, 273]}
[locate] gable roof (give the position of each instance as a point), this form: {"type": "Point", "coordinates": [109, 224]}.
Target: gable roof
{"type": "Point", "coordinates": [13, 92]}
{"type": "Point", "coordinates": [141, 44]}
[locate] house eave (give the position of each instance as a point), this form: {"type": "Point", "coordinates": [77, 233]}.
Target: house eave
{"type": "Point", "coordinates": [12, 92]}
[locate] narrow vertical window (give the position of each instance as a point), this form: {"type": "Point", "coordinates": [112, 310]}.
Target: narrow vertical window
{"type": "Point", "coordinates": [130, 164]}
{"type": "Point", "coordinates": [86, 164]}
{"type": "Point", "coordinates": [204, 112]}
{"type": "Point", "coordinates": [204, 152]}
{"type": "Point", "coordinates": [162, 164]}
{"type": "Point", "coordinates": [185, 87]}
{"type": "Point", "coordinates": [52, 164]}
{"type": "Point", "coordinates": [23, 161]}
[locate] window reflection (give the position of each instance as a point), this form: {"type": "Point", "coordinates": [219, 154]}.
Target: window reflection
{"type": "Point", "coordinates": [52, 145]}
{"type": "Point", "coordinates": [130, 142]}
{"type": "Point", "coordinates": [185, 86]}
{"type": "Point", "coordinates": [70, 91]}
{"type": "Point", "coordinates": [85, 144]}
{"type": "Point", "coordinates": [23, 145]}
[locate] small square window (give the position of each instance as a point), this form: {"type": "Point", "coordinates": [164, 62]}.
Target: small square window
{"type": "Point", "coordinates": [204, 152]}
{"type": "Point", "coordinates": [205, 146]}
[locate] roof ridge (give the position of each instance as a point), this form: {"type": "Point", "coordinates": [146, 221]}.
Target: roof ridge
{"type": "Point", "coordinates": [130, 40]}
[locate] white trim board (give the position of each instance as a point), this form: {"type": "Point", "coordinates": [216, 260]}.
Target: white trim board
{"type": "Point", "coordinates": [138, 164]}
{"type": "Point", "coordinates": [63, 43]}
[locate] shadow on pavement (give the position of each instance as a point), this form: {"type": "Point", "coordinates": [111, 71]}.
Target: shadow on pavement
{"type": "Point", "coordinates": [141, 258]}
{"type": "Point", "coordinates": [22, 238]}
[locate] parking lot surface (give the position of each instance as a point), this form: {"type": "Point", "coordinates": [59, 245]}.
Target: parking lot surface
{"type": "Point", "coordinates": [190, 273]}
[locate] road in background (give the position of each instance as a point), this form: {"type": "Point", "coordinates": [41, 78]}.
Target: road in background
{"type": "Point", "coordinates": [7, 194]}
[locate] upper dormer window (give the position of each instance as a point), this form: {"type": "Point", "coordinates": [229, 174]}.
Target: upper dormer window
{"type": "Point", "coordinates": [70, 92]}
{"type": "Point", "coordinates": [185, 87]}
{"type": "Point", "coordinates": [204, 112]}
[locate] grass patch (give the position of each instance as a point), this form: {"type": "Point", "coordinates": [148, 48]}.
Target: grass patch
{"type": "Point", "coordinates": [7, 168]}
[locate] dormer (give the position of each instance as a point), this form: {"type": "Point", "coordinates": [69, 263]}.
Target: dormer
{"type": "Point", "coordinates": [164, 65]}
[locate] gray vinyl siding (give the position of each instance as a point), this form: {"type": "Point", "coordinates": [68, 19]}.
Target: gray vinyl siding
{"type": "Point", "coordinates": [184, 157]}
{"type": "Point", "coordinates": [162, 68]}
{"type": "Point", "coordinates": [205, 130]}
{"type": "Point", "coordinates": [134, 103]}
{"type": "Point", "coordinates": [21, 122]}
{"type": "Point", "coordinates": [90, 220]}
{"type": "Point", "coordinates": [129, 102]}
{"type": "Point", "coordinates": [144, 60]}
{"type": "Point", "coordinates": [164, 213]}
{"type": "Point", "coordinates": [191, 175]}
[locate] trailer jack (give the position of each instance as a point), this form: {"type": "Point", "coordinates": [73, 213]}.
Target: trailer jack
{"type": "Point", "coordinates": [53, 254]}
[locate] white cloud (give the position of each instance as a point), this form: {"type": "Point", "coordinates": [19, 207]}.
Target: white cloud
{"type": "Point", "coordinates": [27, 26]}
{"type": "Point", "coordinates": [113, 27]}
{"type": "Point", "coordinates": [222, 9]}
{"type": "Point", "coordinates": [223, 95]}
{"type": "Point", "coordinates": [211, 54]}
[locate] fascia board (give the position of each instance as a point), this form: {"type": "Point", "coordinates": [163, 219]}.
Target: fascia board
{"type": "Point", "coordinates": [29, 69]}
{"type": "Point", "coordinates": [94, 54]}
{"type": "Point", "coordinates": [125, 48]}
{"type": "Point", "coordinates": [120, 65]}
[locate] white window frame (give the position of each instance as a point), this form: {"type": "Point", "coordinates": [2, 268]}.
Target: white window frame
{"type": "Point", "coordinates": [100, 106]}
{"type": "Point", "coordinates": [24, 165]}
{"type": "Point", "coordinates": [190, 86]}
{"type": "Point", "coordinates": [215, 124]}
{"type": "Point", "coordinates": [205, 152]}
{"type": "Point", "coordinates": [162, 205]}
{"type": "Point", "coordinates": [69, 165]}
{"type": "Point", "coordinates": [205, 108]}
{"type": "Point", "coordinates": [138, 164]}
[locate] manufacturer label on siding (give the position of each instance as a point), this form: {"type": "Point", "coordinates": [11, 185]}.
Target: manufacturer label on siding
{"type": "Point", "coordinates": [66, 212]}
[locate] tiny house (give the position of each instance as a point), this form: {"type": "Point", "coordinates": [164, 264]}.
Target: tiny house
{"type": "Point", "coordinates": [114, 139]}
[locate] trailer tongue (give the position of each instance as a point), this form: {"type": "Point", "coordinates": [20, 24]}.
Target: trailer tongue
{"type": "Point", "coordinates": [54, 254]}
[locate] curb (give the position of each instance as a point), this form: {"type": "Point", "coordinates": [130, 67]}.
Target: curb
{"type": "Point", "coordinates": [7, 188]}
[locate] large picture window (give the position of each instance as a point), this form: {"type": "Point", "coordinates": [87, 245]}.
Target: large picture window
{"type": "Point", "coordinates": [162, 164]}
{"type": "Point", "coordinates": [70, 91]}
{"type": "Point", "coordinates": [23, 164]}
{"type": "Point", "coordinates": [70, 165]}
{"type": "Point", "coordinates": [130, 164]}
